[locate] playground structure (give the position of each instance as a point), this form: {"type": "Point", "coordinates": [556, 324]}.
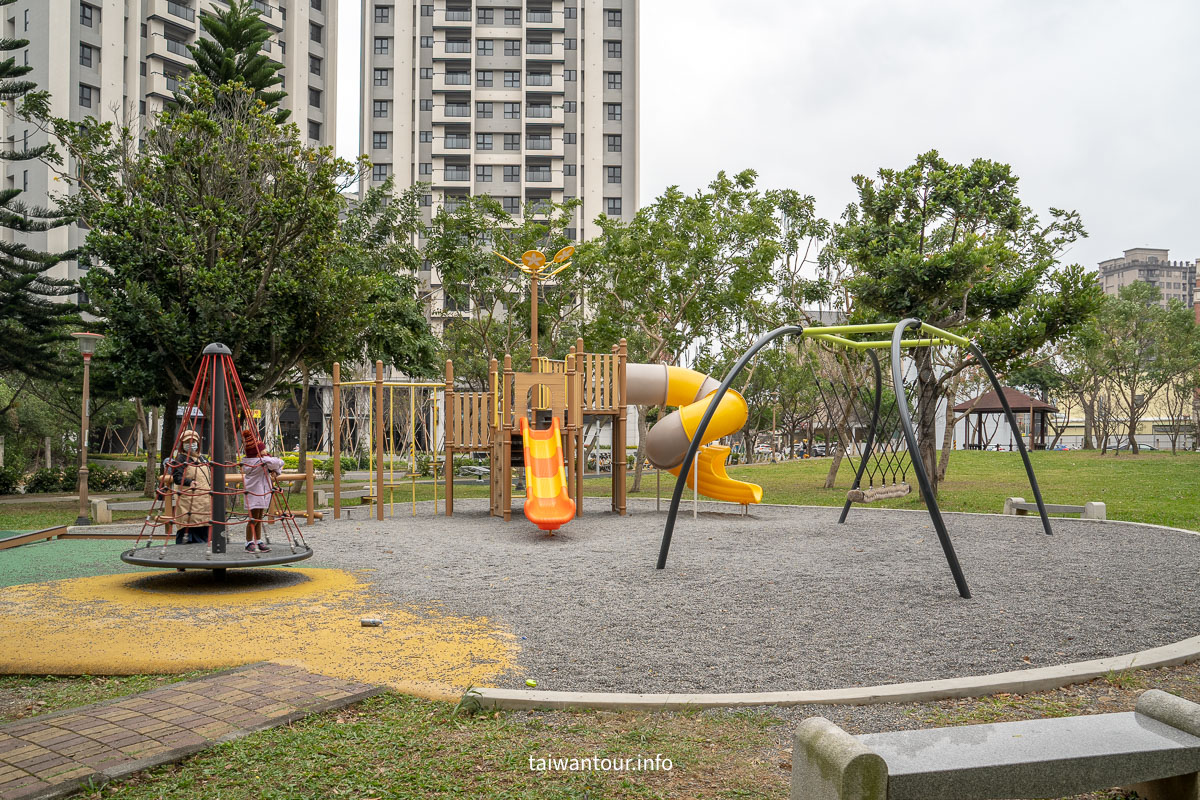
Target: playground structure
{"type": "Point", "coordinates": [891, 441]}
{"type": "Point", "coordinates": [218, 395]}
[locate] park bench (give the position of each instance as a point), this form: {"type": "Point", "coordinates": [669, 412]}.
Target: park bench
{"type": "Point", "coordinates": [1154, 751]}
{"type": "Point", "coordinates": [1018, 507]}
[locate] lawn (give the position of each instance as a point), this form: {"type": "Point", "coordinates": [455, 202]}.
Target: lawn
{"type": "Point", "coordinates": [1155, 487]}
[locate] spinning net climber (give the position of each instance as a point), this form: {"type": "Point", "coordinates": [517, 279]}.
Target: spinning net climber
{"type": "Point", "coordinates": [200, 497]}
{"type": "Point", "coordinates": [872, 418]}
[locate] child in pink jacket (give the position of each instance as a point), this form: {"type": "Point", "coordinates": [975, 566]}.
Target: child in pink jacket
{"type": "Point", "coordinates": [259, 468]}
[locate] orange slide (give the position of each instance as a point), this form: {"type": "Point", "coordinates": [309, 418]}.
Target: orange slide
{"type": "Point", "coordinates": [547, 504]}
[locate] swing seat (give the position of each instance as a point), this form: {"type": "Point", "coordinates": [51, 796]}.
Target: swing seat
{"type": "Point", "coordinates": [873, 493]}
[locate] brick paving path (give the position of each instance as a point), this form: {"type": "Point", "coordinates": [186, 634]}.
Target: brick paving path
{"type": "Point", "coordinates": [53, 755]}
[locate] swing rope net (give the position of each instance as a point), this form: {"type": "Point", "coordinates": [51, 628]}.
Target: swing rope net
{"type": "Point", "coordinates": [241, 419]}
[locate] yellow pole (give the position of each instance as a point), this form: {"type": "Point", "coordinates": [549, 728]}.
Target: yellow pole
{"type": "Point", "coordinates": [412, 445]}
{"type": "Point", "coordinates": [379, 440]}
{"type": "Point", "coordinates": [335, 433]}
{"type": "Point", "coordinates": [371, 450]}
{"type": "Point", "coordinates": [391, 440]}
{"type": "Point", "coordinates": [433, 448]}
{"type": "Point", "coordinates": [533, 300]}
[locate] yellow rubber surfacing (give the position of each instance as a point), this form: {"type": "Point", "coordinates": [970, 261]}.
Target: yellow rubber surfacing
{"type": "Point", "coordinates": [134, 623]}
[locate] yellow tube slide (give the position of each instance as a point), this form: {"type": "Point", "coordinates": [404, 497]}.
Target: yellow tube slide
{"type": "Point", "coordinates": [667, 443]}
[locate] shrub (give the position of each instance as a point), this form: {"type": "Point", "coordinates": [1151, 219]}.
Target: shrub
{"type": "Point", "coordinates": [45, 480]}
{"type": "Point", "coordinates": [291, 462]}
{"type": "Point", "coordinates": [10, 478]}
{"type": "Point", "coordinates": [135, 479]}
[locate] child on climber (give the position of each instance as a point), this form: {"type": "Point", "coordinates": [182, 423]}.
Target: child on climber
{"type": "Point", "coordinates": [259, 468]}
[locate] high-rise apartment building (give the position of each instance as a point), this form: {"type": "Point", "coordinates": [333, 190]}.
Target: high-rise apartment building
{"type": "Point", "coordinates": [123, 58]}
{"type": "Point", "coordinates": [524, 100]}
{"type": "Point", "coordinates": [1175, 279]}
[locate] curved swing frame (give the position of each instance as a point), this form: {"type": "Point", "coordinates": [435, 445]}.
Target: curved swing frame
{"type": "Point", "coordinates": [928, 335]}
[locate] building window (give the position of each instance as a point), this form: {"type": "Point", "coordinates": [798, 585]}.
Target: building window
{"type": "Point", "coordinates": [379, 141]}
{"type": "Point", "coordinates": [427, 41]}
{"type": "Point", "coordinates": [512, 205]}
{"type": "Point", "coordinates": [142, 107]}
{"type": "Point", "coordinates": [569, 170]}
{"type": "Point", "coordinates": [614, 18]}
{"type": "Point", "coordinates": [485, 16]}
{"type": "Point", "coordinates": [314, 130]}
{"type": "Point", "coordinates": [383, 13]}
{"type": "Point", "coordinates": [86, 95]}
{"type": "Point", "coordinates": [379, 108]}
{"type": "Point", "coordinates": [612, 206]}
{"type": "Point", "coordinates": [512, 110]}
{"type": "Point", "coordinates": [568, 74]}
{"type": "Point", "coordinates": [85, 55]}
{"type": "Point", "coordinates": [143, 30]}
{"type": "Point", "coordinates": [512, 141]}
{"type": "Point", "coordinates": [483, 141]}
{"type": "Point", "coordinates": [570, 44]}
{"type": "Point", "coordinates": [614, 143]}
{"type": "Point", "coordinates": [614, 174]}
{"type": "Point", "coordinates": [381, 77]}
{"type": "Point", "coordinates": [538, 141]}
{"type": "Point", "coordinates": [425, 168]}
{"type": "Point", "coordinates": [282, 47]}
{"type": "Point", "coordinates": [314, 65]}
{"type": "Point", "coordinates": [425, 137]}
{"type": "Point", "coordinates": [512, 173]}
{"type": "Point", "coordinates": [512, 47]}
{"type": "Point", "coordinates": [613, 48]}
{"type": "Point", "coordinates": [379, 172]}
{"type": "Point", "coordinates": [483, 173]}
{"type": "Point", "coordinates": [614, 80]}
{"type": "Point", "coordinates": [426, 104]}
{"type": "Point", "coordinates": [568, 138]}
{"type": "Point", "coordinates": [316, 6]}
{"type": "Point", "coordinates": [614, 111]}
{"type": "Point", "coordinates": [426, 200]}
{"type": "Point", "coordinates": [569, 12]}
{"type": "Point", "coordinates": [512, 79]}
{"type": "Point", "coordinates": [382, 45]}
{"type": "Point", "coordinates": [483, 110]}
{"type": "Point", "coordinates": [87, 15]}
{"type": "Point", "coordinates": [512, 16]}
{"type": "Point", "coordinates": [314, 97]}
{"type": "Point", "coordinates": [426, 11]}
{"type": "Point", "coordinates": [483, 77]}
{"type": "Point", "coordinates": [485, 47]}
{"type": "Point", "coordinates": [25, 180]}
{"type": "Point", "coordinates": [569, 106]}
{"type": "Point", "coordinates": [315, 32]}
{"type": "Point", "coordinates": [427, 73]}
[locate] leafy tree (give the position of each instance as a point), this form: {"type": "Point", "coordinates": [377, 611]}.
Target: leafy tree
{"type": "Point", "coordinates": [232, 53]}
{"type": "Point", "coordinates": [222, 226]}
{"type": "Point", "coordinates": [32, 321]}
{"type": "Point", "coordinates": [952, 245]}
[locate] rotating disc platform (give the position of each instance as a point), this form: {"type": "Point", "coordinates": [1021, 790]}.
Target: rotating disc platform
{"type": "Point", "coordinates": [196, 556]}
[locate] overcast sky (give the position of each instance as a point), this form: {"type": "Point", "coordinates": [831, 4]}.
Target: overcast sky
{"type": "Point", "coordinates": [1093, 103]}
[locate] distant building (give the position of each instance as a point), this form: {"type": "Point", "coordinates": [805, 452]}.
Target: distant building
{"type": "Point", "coordinates": [1175, 279]}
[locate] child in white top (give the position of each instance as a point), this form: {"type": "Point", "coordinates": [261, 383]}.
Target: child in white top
{"type": "Point", "coordinates": [259, 469]}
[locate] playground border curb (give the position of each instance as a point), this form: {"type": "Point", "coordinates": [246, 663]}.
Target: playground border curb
{"type": "Point", "coordinates": [1013, 682]}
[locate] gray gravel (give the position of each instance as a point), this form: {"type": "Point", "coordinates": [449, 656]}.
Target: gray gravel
{"type": "Point", "coordinates": [782, 599]}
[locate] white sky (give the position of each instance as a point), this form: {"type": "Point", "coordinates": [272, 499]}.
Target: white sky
{"type": "Point", "coordinates": [1093, 102]}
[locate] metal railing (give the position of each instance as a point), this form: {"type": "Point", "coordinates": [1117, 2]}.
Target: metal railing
{"type": "Point", "coordinates": [537, 142]}
{"type": "Point", "coordinates": [458, 47]}
{"type": "Point", "coordinates": [458, 110]}
{"type": "Point", "coordinates": [181, 11]}
{"type": "Point", "coordinates": [539, 48]}
{"type": "Point", "coordinates": [458, 15]}
{"type": "Point", "coordinates": [458, 79]}
{"type": "Point", "coordinates": [539, 79]}
{"type": "Point", "coordinates": [539, 111]}
{"type": "Point", "coordinates": [178, 48]}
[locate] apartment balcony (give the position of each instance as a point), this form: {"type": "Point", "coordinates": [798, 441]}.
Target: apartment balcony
{"type": "Point", "coordinates": [452, 81]}
{"type": "Point", "coordinates": [452, 145]}
{"type": "Point", "coordinates": [545, 20]}
{"type": "Point", "coordinates": [548, 52]}
{"type": "Point", "coordinates": [544, 147]}
{"type": "Point", "coordinates": [452, 51]}
{"type": "Point", "coordinates": [452, 113]}
{"type": "Point", "coordinates": [161, 85]}
{"type": "Point", "coordinates": [453, 19]}
{"type": "Point", "coordinates": [452, 177]}
{"type": "Point", "coordinates": [550, 83]}
{"type": "Point", "coordinates": [173, 12]}
{"type": "Point", "coordinates": [270, 16]}
{"type": "Point", "coordinates": [170, 51]}
{"type": "Point", "coordinates": [543, 114]}
{"type": "Point", "coordinates": [550, 179]}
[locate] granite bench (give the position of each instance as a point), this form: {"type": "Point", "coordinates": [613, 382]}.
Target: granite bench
{"type": "Point", "coordinates": [1154, 751]}
{"type": "Point", "coordinates": [1016, 506]}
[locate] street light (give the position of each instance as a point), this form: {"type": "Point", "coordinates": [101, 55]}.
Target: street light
{"type": "Point", "coordinates": [87, 346]}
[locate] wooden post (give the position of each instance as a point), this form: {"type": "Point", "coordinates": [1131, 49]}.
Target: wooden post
{"type": "Point", "coordinates": [581, 376]}
{"type": "Point", "coordinates": [448, 426]}
{"type": "Point", "coordinates": [336, 440]}
{"type": "Point", "coordinates": [309, 497]}
{"type": "Point", "coordinates": [379, 440]}
{"type": "Point", "coordinates": [622, 420]}
{"type": "Point", "coordinates": [493, 423]}
{"type": "Point", "coordinates": [506, 444]}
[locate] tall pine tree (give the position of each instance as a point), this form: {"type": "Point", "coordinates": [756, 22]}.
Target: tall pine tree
{"type": "Point", "coordinates": [232, 51]}
{"type": "Point", "coordinates": [32, 322]}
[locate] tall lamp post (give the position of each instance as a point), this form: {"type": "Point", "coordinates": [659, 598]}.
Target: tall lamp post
{"type": "Point", "coordinates": [87, 346]}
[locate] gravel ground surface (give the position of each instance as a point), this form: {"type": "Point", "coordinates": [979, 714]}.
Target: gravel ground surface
{"type": "Point", "coordinates": [781, 599]}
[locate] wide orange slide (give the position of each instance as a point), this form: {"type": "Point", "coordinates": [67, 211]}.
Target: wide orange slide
{"type": "Point", "coordinates": [547, 503]}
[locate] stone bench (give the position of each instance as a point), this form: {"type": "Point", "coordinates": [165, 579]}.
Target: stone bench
{"type": "Point", "coordinates": [1017, 506]}
{"type": "Point", "coordinates": [1154, 751]}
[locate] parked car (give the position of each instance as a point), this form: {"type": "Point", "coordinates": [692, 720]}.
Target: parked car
{"type": "Point", "coordinates": [1141, 447]}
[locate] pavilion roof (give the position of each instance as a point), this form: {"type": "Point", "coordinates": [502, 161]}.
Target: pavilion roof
{"type": "Point", "coordinates": [989, 403]}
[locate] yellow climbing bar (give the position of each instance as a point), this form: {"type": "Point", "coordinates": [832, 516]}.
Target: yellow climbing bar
{"type": "Point", "coordinates": [833, 334]}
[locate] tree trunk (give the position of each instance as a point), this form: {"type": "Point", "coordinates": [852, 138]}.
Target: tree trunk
{"type": "Point", "coordinates": [643, 431]}
{"type": "Point", "coordinates": [1089, 423]}
{"type": "Point", "coordinates": [947, 442]}
{"type": "Point", "coordinates": [1133, 422]}
{"type": "Point", "coordinates": [147, 424]}
{"type": "Point", "coordinates": [927, 403]}
{"type": "Point", "coordinates": [302, 409]}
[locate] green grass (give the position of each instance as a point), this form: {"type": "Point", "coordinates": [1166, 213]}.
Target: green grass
{"type": "Point", "coordinates": [27, 695]}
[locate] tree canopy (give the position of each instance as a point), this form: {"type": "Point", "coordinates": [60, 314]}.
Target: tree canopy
{"type": "Point", "coordinates": [233, 52]}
